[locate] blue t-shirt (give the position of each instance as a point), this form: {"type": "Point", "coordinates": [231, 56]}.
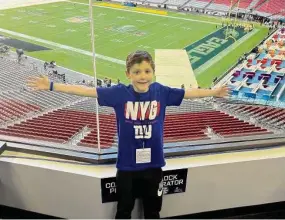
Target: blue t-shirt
{"type": "Point", "coordinates": [140, 119]}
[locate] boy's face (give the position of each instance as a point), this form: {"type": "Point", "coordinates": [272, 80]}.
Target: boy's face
{"type": "Point", "coordinates": [141, 76]}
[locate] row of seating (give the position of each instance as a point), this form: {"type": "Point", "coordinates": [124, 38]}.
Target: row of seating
{"type": "Point", "coordinates": [268, 113]}
{"type": "Point", "coordinates": [12, 109]}
{"type": "Point", "coordinates": [259, 77]}
{"type": "Point", "coordinates": [272, 6]}
{"type": "Point", "coordinates": [63, 124]}
{"type": "Point", "coordinates": [187, 122]}
{"type": "Point", "coordinates": [13, 75]}
{"type": "Point", "coordinates": [267, 7]}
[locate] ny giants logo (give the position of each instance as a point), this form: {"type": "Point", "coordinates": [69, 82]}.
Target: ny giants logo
{"type": "Point", "coordinates": [142, 111]}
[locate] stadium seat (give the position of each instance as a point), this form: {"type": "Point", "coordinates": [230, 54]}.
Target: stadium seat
{"type": "Point", "coordinates": [272, 6]}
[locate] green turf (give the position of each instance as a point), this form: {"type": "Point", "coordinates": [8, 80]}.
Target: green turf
{"type": "Point", "coordinates": [115, 29]}
{"type": "Point", "coordinates": [197, 16]}
{"type": "Point", "coordinates": [78, 62]}
{"type": "Point", "coordinates": [206, 77]}
{"type": "Point", "coordinates": [117, 33]}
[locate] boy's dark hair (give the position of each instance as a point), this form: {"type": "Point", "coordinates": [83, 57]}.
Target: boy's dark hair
{"type": "Point", "coordinates": [138, 57]}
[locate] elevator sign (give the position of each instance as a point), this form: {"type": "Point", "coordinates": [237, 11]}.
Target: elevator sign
{"type": "Point", "coordinates": [174, 181]}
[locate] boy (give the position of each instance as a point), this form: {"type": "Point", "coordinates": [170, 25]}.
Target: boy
{"type": "Point", "coordinates": [140, 111]}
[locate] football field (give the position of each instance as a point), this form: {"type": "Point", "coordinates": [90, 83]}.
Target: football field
{"type": "Point", "coordinates": [63, 29]}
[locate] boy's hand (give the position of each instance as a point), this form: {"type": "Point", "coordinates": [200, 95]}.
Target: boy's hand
{"type": "Point", "coordinates": [43, 83]}
{"type": "Point", "coordinates": [38, 83]}
{"type": "Point", "coordinates": [221, 92]}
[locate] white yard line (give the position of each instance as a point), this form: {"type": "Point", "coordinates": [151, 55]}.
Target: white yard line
{"type": "Point", "coordinates": [139, 12]}
{"type": "Point", "coordinates": [84, 52]}
{"type": "Point", "coordinates": [224, 53]}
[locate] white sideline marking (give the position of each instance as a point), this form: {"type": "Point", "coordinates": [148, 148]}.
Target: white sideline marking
{"type": "Point", "coordinates": [84, 52]}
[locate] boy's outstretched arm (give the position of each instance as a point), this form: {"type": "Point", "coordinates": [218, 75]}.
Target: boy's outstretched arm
{"type": "Point", "coordinates": [201, 93]}
{"type": "Point", "coordinates": [43, 83]}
